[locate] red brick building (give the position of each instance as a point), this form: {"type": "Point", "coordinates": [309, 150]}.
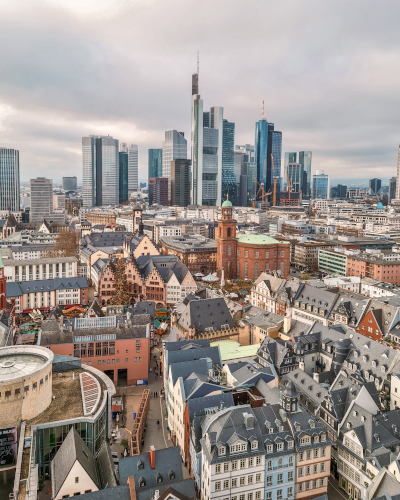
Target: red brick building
{"type": "Point", "coordinates": [248, 255]}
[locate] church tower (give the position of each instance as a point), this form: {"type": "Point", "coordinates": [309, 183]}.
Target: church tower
{"type": "Point", "coordinates": [226, 241]}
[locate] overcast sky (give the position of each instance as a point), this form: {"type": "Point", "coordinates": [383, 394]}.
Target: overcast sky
{"type": "Point", "coordinates": [329, 72]}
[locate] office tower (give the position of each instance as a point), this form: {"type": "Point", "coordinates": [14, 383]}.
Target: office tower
{"type": "Point", "coordinates": [155, 163]}
{"type": "Point", "coordinates": [174, 148]}
{"type": "Point", "coordinates": [295, 174]}
{"type": "Point", "coordinates": [289, 158]}
{"type": "Point", "coordinates": [158, 191]}
{"type": "Point", "coordinates": [123, 176]}
{"type": "Point", "coordinates": [320, 185]}
{"type": "Point", "coordinates": [9, 180]}
{"type": "Point", "coordinates": [206, 149]}
{"type": "Point", "coordinates": [69, 183]}
{"type": "Point", "coordinates": [229, 185]}
{"type": "Point", "coordinates": [375, 186]}
{"type": "Point", "coordinates": [392, 188]}
{"type": "Point", "coordinates": [59, 201]}
{"type": "Point", "coordinates": [180, 183]}
{"type": "Point", "coordinates": [41, 199]}
{"type": "Point", "coordinates": [100, 171]}
{"type": "Point", "coordinates": [248, 176]}
{"type": "Point", "coordinates": [305, 158]}
{"type": "Point", "coordinates": [339, 192]}
{"type": "Point", "coordinates": [268, 145]}
{"type": "Point", "coordinates": [247, 149]}
{"type": "Point", "coordinates": [133, 168]}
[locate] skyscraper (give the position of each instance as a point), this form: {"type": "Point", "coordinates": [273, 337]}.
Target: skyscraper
{"type": "Point", "coordinates": [295, 173]}
{"type": "Point", "coordinates": [123, 177]}
{"type": "Point", "coordinates": [180, 183]}
{"type": "Point", "coordinates": [375, 186]}
{"type": "Point", "coordinates": [100, 171]}
{"type": "Point", "coordinates": [133, 166]}
{"type": "Point", "coordinates": [392, 188]}
{"type": "Point", "coordinates": [268, 145]}
{"type": "Point", "coordinates": [289, 158]}
{"type": "Point", "coordinates": [206, 148]}
{"type": "Point", "coordinates": [155, 163]}
{"type": "Point", "coordinates": [339, 192]}
{"type": "Point", "coordinates": [398, 176]}
{"type": "Point", "coordinates": [174, 148]}
{"type": "Point", "coordinates": [41, 199]}
{"type": "Point", "coordinates": [320, 185]}
{"type": "Point", "coordinates": [9, 180]}
{"type": "Point", "coordinates": [229, 185]}
{"type": "Point", "coordinates": [305, 161]}
{"type": "Point", "coordinates": [158, 191]}
{"type": "Point", "coordinates": [69, 183]}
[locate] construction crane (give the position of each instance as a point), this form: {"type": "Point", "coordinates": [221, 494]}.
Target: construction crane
{"type": "Point", "coordinates": [275, 177]}
{"type": "Point", "coordinates": [262, 189]}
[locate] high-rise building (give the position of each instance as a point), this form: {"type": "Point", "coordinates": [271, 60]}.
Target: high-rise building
{"type": "Point", "coordinates": [295, 173]}
{"type": "Point", "coordinates": [320, 186]}
{"type": "Point", "coordinates": [158, 191]}
{"type": "Point", "coordinates": [229, 185]}
{"type": "Point", "coordinates": [289, 158]}
{"type": "Point", "coordinates": [174, 148]}
{"type": "Point", "coordinates": [69, 183]}
{"type": "Point", "coordinates": [123, 176]}
{"type": "Point", "coordinates": [268, 145]}
{"type": "Point", "coordinates": [246, 173]}
{"type": "Point", "coordinates": [133, 166]}
{"type": "Point", "coordinates": [392, 188]}
{"type": "Point", "coordinates": [339, 192]}
{"type": "Point", "coordinates": [305, 158]}
{"type": "Point", "coordinates": [41, 199]}
{"type": "Point", "coordinates": [375, 186]}
{"type": "Point", "coordinates": [100, 171]}
{"type": "Point", "coordinates": [9, 180]}
{"type": "Point", "coordinates": [155, 163]}
{"type": "Point", "coordinates": [180, 183]}
{"type": "Point", "coordinates": [206, 148]}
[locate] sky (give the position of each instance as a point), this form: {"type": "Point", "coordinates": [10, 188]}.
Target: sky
{"type": "Point", "coordinates": [328, 72]}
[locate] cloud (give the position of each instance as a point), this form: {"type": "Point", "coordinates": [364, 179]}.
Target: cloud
{"type": "Point", "coordinates": [328, 73]}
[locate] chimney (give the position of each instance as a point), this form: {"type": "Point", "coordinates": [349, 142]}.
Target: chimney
{"type": "Point", "coordinates": [132, 490]}
{"type": "Point", "coordinates": [302, 366]}
{"type": "Point", "coordinates": [316, 376]}
{"type": "Point", "coordinates": [152, 457]}
{"type": "Point", "coordinates": [287, 323]}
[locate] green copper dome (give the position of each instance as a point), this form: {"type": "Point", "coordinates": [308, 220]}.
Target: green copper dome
{"type": "Point", "coordinates": [226, 203]}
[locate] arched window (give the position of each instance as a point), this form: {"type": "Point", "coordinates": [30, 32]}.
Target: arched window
{"type": "Point", "coordinates": [282, 268]}
{"type": "Point", "coordinates": [238, 269]}
{"type": "Point", "coordinates": [229, 250]}
{"type": "Point", "coordinates": [228, 232]}
{"type": "Point", "coordinates": [245, 269]}
{"type": "Point", "coordinates": [228, 267]}
{"type": "Point", "coordinates": [220, 232]}
{"type": "Point", "coordinates": [255, 270]}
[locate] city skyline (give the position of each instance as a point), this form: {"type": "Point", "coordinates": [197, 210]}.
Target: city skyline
{"type": "Point", "coordinates": [344, 112]}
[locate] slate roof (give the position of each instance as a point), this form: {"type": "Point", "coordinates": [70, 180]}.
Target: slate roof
{"type": "Point", "coordinates": [249, 374]}
{"type": "Point", "coordinates": [270, 394]}
{"type": "Point", "coordinates": [120, 492]}
{"type": "Point", "coordinates": [73, 449]}
{"type": "Point", "coordinates": [105, 239]}
{"type": "Point", "coordinates": [166, 460]}
{"type": "Point", "coordinates": [306, 385]}
{"type": "Point", "coordinates": [206, 313]}
{"type": "Point", "coordinates": [384, 314]}
{"type": "Point", "coordinates": [323, 299]}
{"type": "Point", "coordinates": [185, 355]}
{"type": "Point", "coordinates": [15, 289]}
{"type": "Point", "coordinates": [144, 307]}
{"type": "Point", "coordinates": [185, 369]}
{"type": "Point", "coordinates": [351, 305]}
{"type": "Point", "coordinates": [198, 406]}
{"type": "Point", "coordinates": [166, 265]}
{"type": "Point", "coordinates": [388, 486]}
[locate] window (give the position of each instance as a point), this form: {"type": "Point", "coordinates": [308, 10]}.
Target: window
{"type": "Point", "coordinates": [290, 492]}
{"type": "Point", "coordinates": [258, 460]}
{"type": "Point", "coordinates": [315, 469]}
{"type": "Point", "coordinates": [258, 478]}
{"type": "Point", "coordinates": [226, 484]}
{"type": "Point", "coordinates": [77, 480]}
{"type": "Point", "coordinates": [234, 465]}
{"type": "Point", "coordinates": [246, 253]}
{"type": "Point", "coordinates": [226, 466]}
{"type": "Point", "coordinates": [290, 461]}
{"type": "Point", "coordinates": [270, 448]}
{"type": "Point", "coordinates": [242, 481]}
{"type": "Point", "coordinates": [251, 462]}
{"type": "Point", "coordinates": [269, 464]}
{"type": "Point", "coordinates": [218, 486]}
{"type": "Point", "coordinates": [245, 269]}
{"type": "Point", "coordinates": [322, 467]}
{"type": "Point", "coordinates": [234, 483]}
{"type": "Point", "coordinates": [250, 480]}
{"type": "Point", "coordinates": [269, 480]}
{"type": "Point", "coordinates": [218, 468]}
{"type": "Point", "coordinates": [243, 464]}
{"type": "Point", "coordinates": [316, 453]}
{"type": "Point", "coordinates": [308, 470]}
{"type": "Point", "coordinates": [250, 496]}
{"type": "Point", "coordinates": [321, 482]}
{"type": "Point", "coordinates": [280, 478]}
{"type": "Point", "coordinates": [282, 253]}
{"type": "Point", "coordinates": [269, 495]}
{"type": "Point", "coordinates": [258, 495]}
{"type": "Point", "coordinates": [228, 249]}
{"type": "Point", "coordinates": [301, 471]}
{"type": "Point", "coordinates": [254, 445]}
{"type": "Point", "coordinates": [290, 476]}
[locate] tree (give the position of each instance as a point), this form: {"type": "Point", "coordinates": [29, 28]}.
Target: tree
{"type": "Point", "coordinates": [121, 296]}
{"type": "Point", "coordinates": [67, 244]}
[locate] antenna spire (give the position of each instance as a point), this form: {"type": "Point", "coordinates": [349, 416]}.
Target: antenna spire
{"type": "Point", "coordinates": [262, 113]}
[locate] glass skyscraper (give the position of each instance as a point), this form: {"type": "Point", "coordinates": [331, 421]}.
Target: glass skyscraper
{"type": "Point", "coordinates": [289, 158]}
{"type": "Point", "coordinates": [229, 185]}
{"type": "Point", "coordinates": [295, 173]}
{"type": "Point", "coordinates": [320, 187]}
{"type": "Point", "coordinates": [9, 180]}
{"type": "Point", "coordinates": [174, 148]}
{"type": "Point", "coordinates": [100, 171]}
{"type": "Point", "coordinates": [155, 163]}
{"type": "Point", "coordinates": [123, 176]}
{"type": "Point", "coordinates": [305, 158]}
{"type": "Point", "coordinates": [268, 145]}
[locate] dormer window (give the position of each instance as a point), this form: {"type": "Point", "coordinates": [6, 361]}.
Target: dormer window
{"type": "Point", "coordinates": [171, 475]}
{"type": "Point", "coordinates": [221, 450]}
{"type": "Point", "coordinates": [270, 448]}
{"type": "Point", "coordinates": [382, 368]}
{"type": "Point", "coordinates": [373, 363]}
{"type": "Point", "coordinates": [140, 465]}
{"type": "Point", "coordinates": [364, 359]}
{"type": "Point", "coordinates": [316, 439]}
{"type": "Point", "coordinates": [271, 430]}
{"type": "Point", "coordinates": [280, 446]}
{"type": "Point", "coordinates": [159, 478]}
{"type": "Point", "coordinates": [254, 445]}
{"type": "Point", "coordinates": [281, 428]}
{"type": "Point", "coordinates": [355, 354]}
{"type": "Point", "coordinates": [323, 437]}
{"type": "Point", "coordinates": [142, 482]}
{"type": "Point", "coordinates": [290, 444]}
